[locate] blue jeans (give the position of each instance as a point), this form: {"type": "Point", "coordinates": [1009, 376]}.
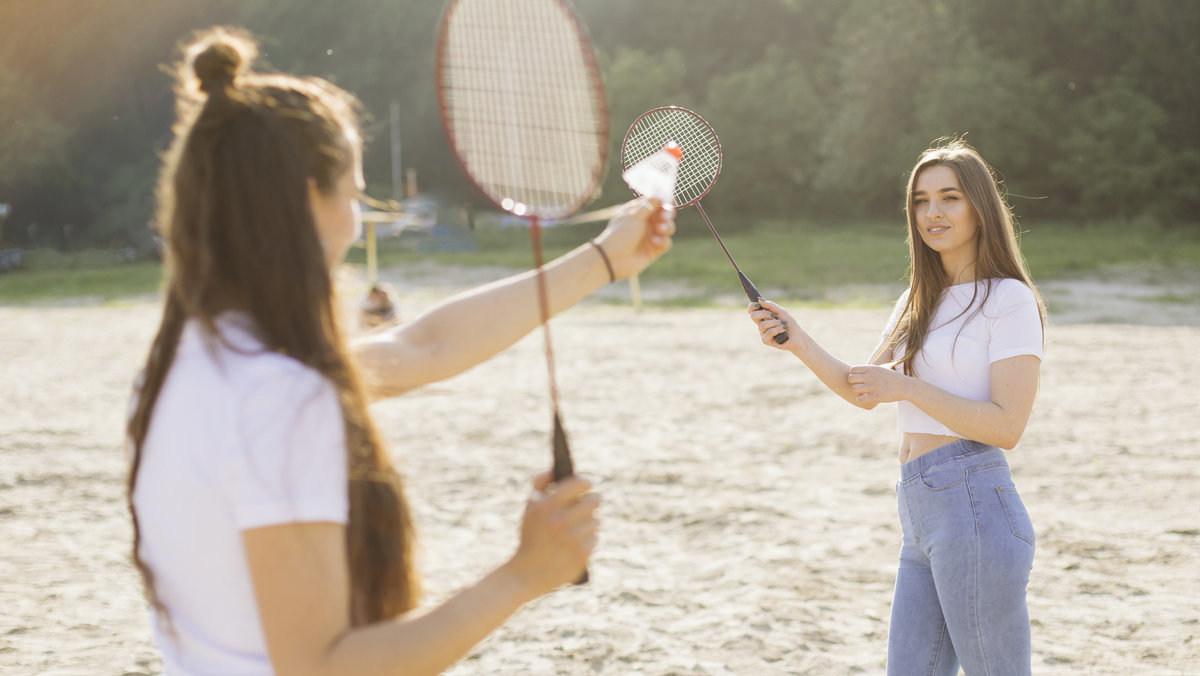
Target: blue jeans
{"type": "Point", "coordinates": [964, 566]}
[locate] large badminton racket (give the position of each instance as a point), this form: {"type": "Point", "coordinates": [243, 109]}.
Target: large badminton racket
{"type": "Point", "coordinates": [698, 169]}
{"type": "Point", "coordinates": [523, 106]}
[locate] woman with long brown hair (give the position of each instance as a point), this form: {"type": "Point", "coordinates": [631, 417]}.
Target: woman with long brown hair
{"type": "Point", "coordinates": [270, 526]}
{"type": "Point", "coordinates": [961, 354]}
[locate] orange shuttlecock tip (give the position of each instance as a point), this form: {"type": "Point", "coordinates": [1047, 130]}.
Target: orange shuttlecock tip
{"type": "Point", "coordinates": [673, 148]}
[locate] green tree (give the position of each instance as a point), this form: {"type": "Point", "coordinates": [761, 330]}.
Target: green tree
{"type": "Point", "coordinates": [1011, 114]}
{"type": "Point", "coordinates": [636, 81]}
{"type": "Point", "coordinates": [871, 136]}
{"type": "Point", "coordinates": [1112, 157]}
{"type": "Point", "coordinates": [821, 106]}
{"type": "Point", "coordinates": [770, 118]}
{"type": "Point", "coordinates": [31, 140]}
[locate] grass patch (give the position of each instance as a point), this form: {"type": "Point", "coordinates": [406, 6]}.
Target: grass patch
{"type": "Point", "coordinates": [1175, 299]}
{"type": "Point", "coordinates": [790, 258]}
{"type": "Point", "coordinates": [1066, 250]}
{"type": "Point", "coordinates": [106, 283]}
{"type": "Point", "coordinates": [816, 263]}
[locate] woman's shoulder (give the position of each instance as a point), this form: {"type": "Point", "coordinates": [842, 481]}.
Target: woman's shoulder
{"type": "Point", "coordinates": [273, 389]}
{"type": "Point", "coordinates": [271, 376]}
{"type": "Point", "coordinates": [1007, 291]}
{"type": "Point", "coordinates": [252, 370]}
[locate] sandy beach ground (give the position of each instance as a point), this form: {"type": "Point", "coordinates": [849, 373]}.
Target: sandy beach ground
{"type": "Point", "coordinates": [750, 516]}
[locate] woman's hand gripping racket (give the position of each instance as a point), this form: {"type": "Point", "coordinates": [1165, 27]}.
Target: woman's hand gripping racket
{"type": "Point", "coordinates": [523, 106]}
{"type": "Point", "coordinates": [698, 168]}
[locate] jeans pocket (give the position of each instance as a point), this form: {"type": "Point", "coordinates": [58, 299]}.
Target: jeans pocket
{"type": "Point", "coordinates": [945, 474]}
{"type": "Point", "coordinates": [1014, 509]}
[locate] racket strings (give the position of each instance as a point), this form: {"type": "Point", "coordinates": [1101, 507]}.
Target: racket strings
{"type": "Point", "coordinates": [521, 105]}
{"type": "Point", "coordinates": [701, 162]}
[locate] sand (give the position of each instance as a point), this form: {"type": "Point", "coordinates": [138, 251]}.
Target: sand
{"type": "Point", "coordinates": [750, 519]}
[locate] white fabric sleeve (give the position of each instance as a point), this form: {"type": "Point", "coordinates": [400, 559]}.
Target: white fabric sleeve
{"type": "Point", "coordinates": [1016, 324]}
{"type": "Point", "coordinates": [291, 466]}
{"type": "Point", "coordinates": [892, 321]}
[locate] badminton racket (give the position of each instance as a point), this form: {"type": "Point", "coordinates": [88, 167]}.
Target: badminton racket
{"type": "Point", "coordinates": [698, 168]}
{"type": "Point", "coordinates": [523, 106]}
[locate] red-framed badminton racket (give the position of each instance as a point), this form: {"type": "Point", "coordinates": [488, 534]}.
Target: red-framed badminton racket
{"type": "Point", "coordinates": [523, 106]}
{"type": "Point", "coordinates": [698, 168]}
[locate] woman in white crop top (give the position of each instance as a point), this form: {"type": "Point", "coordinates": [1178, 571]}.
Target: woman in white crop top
{"type": "Point", "coordinates": [270, 526]}
{"type": "Point", "coordinates": [961, 355]}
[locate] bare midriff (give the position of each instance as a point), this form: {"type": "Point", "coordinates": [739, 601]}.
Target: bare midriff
{"type": "Point", "coordinates": [916, 444]}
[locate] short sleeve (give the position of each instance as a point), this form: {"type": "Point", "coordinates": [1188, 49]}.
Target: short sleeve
{"type": "Point", "coordinates": [291, 464]}
{"type": "Point", "coordinates": [1016, 325]}
{"type": "Point", "coordinates": [894, 319]}
{"type": "Point", "coordinates": [897, 310]}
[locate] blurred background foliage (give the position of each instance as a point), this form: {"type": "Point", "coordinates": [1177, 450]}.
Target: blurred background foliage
{"type": "Point", "coordinates": [1086, 107]}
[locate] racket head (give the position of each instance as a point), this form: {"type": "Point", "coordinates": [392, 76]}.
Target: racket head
{"type": "Point", "coordinates": [522, 103]}
{"type": "Point", "coordinates": [701, 161]}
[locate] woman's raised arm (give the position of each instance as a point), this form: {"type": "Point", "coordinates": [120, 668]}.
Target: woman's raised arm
{"type": "Point", "coordinates": [475, 325]}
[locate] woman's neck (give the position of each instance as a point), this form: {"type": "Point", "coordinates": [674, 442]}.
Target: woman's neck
{"type": "Point", "coordinates": [959, 272]}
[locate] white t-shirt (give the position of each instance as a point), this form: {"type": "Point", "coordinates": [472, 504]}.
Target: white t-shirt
{"type": "Point", "coordinates": [239, 439]}
{"type": "Point", "coordinates": [964, 341]}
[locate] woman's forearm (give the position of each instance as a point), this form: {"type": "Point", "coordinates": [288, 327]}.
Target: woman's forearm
{"type": "Point", "coordinates": [1000, 421]}
{"type": "Point", "coordinates": [474, 326]}
{"type": "Point", "coordinates": [982, 421]}
{"type": "Point", "coordinates": [429, 642]}
{"type": "Point", "coordinates": [827, 368]}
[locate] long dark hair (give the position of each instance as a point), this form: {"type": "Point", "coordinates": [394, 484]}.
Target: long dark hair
{"type": "Point", "coordinates": [233, 203]}
{"type": "Point", "coordinates": [997, 251]}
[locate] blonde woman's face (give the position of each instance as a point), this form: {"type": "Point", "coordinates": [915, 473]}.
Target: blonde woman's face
{"type": "Point", "coordinates": [945, 219]}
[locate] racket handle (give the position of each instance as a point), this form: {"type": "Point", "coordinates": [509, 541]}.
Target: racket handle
{"type": "Point", "coordinates": [754, 295]}
{"type": "Point", "coordinates": [751, 290]}
{"type": "Point", "coordinates": [563, 466]}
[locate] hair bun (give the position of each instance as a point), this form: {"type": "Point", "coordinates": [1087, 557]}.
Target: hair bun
{"type": "Point", "coordinates": [219, 56]}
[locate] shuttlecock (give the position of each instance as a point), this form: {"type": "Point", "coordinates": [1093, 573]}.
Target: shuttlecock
{"type": "Point", "coordinates": [655, 176]}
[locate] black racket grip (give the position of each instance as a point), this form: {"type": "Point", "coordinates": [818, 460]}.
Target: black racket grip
{"type": "Point", "coordinates": [754, 295]}
{"type": "Point", "coordinates": [564, 466]}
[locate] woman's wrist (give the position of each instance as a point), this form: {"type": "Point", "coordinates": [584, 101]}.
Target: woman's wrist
{"type": "Point", "coordinates": [524, 584]}
{"type": "Point", "coordinates": [608, 266]}
{"type": "Point", "coordinates": [798, 343]}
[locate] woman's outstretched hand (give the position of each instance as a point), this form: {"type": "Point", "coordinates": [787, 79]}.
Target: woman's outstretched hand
{"type": "Point", "coordinates": [559, 531]}
{"type": "Point", "coordinates": [773, 320]}
{"type": "Point", "coordinates": [638, 235]}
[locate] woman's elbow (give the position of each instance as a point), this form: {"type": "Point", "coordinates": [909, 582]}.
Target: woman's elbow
{"type": "Point", "coordinates": [391, 369]}
{"type": "Point", "coordinates": [864, 405]}
{"type": "Point", "coordinates": [378, 391]}
{"type": "Point", "coordinates": [1008, 438]}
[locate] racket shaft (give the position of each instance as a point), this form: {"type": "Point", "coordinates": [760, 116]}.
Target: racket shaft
{"type": "Point", "coordinates": [751, 290]}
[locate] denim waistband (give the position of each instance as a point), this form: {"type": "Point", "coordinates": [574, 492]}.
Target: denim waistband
{"type": "Point", "coordinates": [954, 449]}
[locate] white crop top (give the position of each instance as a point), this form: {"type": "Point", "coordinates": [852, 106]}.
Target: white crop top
{"type": "Point", "coordinates": [964, 341]}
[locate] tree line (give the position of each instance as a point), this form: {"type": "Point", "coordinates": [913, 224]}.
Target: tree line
{"type": "Point", "coordinates": [1086, 107]}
